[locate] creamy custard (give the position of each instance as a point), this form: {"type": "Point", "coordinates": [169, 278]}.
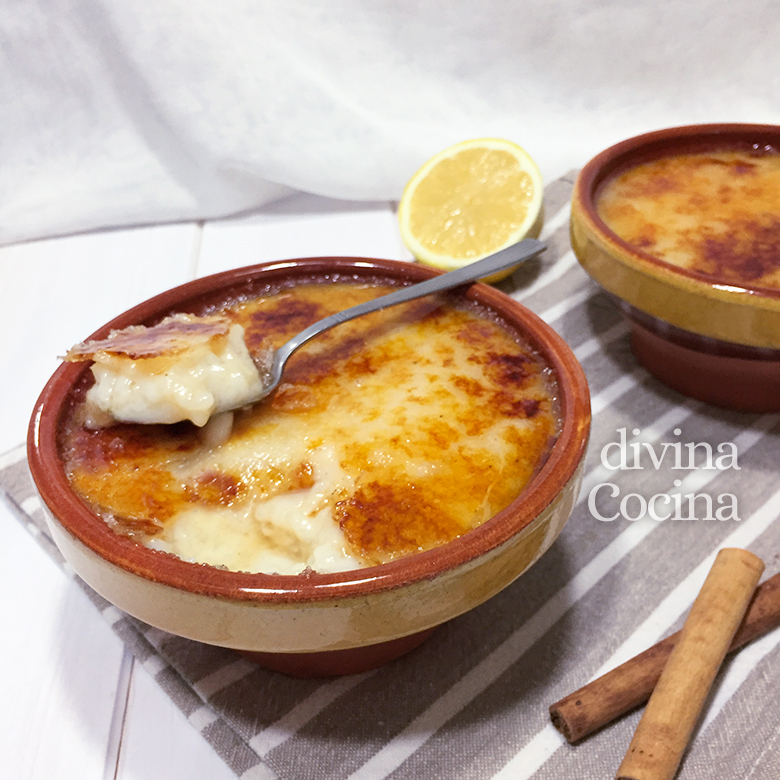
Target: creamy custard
{"type": "Point", "coordinates": [715, 213]}
{"type": "Point", "coordinates": [184, 368]}
{"type": "Point", "coordinates": [392, 434]}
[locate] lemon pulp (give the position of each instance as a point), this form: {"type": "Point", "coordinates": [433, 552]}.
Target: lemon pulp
{"type": "Point", "coordinates": [469, 201]}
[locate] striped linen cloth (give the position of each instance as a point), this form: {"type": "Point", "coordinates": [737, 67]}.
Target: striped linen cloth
{"type": "Point", "coordinates": [472, 701]}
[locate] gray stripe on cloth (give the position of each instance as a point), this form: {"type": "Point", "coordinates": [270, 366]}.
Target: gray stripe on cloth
{"type": "Point", "coordinates": [235, 752]}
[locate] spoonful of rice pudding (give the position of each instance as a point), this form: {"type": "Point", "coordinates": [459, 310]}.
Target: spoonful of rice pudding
{"type": "Point", "coordinates": [190, 367]}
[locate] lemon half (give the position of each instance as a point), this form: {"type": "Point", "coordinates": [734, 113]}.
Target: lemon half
{"type": "Point", "coordinates": [469, 201]}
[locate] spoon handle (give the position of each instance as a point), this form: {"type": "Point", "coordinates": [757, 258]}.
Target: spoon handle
{"type": "Point", "coordinates": [501, 260]}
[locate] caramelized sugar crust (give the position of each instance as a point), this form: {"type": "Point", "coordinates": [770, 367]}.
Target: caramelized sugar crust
{"type": "Point", "coordinates": [437, 414]}
{"type": "Point", "coordinates": [715, 213]}
{"type": "Point", "coordinates": [166, 339]}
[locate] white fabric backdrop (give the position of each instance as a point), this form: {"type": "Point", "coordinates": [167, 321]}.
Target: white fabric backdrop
{"type": "Point", "coordinates": [115, 112]}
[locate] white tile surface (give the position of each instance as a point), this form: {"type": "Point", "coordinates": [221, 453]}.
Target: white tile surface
{"type": "Point", "coordinates": [159, 743]}
{"type": "Point", "coordinates": [302, 226]}
{"type": "Point", "coordinates": [55, 293]}
{"type": "Point", "coordinates": [60, 660]}
{"type": "Point", "coordinates": [59, 667]}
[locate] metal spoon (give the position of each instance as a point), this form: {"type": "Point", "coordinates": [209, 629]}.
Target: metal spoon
{"type": "Point", "coordinates": [500, 261]}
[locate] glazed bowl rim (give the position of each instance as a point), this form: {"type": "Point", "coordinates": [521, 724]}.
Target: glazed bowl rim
{"type": "Point", "coordinates": [655, 145]}
{"type": "Point", "coordinates": [82, 523]}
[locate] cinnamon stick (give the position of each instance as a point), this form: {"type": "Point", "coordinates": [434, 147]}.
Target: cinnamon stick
{"type": "Point", "coordinates": [629, 685]}
{"type": "Point", "coordinates": [678, 698]}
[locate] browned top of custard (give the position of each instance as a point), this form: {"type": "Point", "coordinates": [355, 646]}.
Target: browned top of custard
{"type": "Point", "coordinates": [715, 213]}
{"type": "Point", "coordinates": [166, 339]}
{"type": "Point", "coordinates": [437, 414]}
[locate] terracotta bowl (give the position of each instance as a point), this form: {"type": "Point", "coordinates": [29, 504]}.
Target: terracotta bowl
{"type": "Point", "coordinates": [316, 624]}
{"type": "Point", "coordinates": [709, 338]}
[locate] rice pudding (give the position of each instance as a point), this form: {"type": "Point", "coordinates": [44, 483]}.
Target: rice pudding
{"type": "Point", "coordinates": [714, 213]}
{"type": "Point", "coordinates": [392, 434]}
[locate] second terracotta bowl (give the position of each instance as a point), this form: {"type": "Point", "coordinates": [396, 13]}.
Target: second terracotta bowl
{"type": "Point", "coordinates": [709, 338]}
